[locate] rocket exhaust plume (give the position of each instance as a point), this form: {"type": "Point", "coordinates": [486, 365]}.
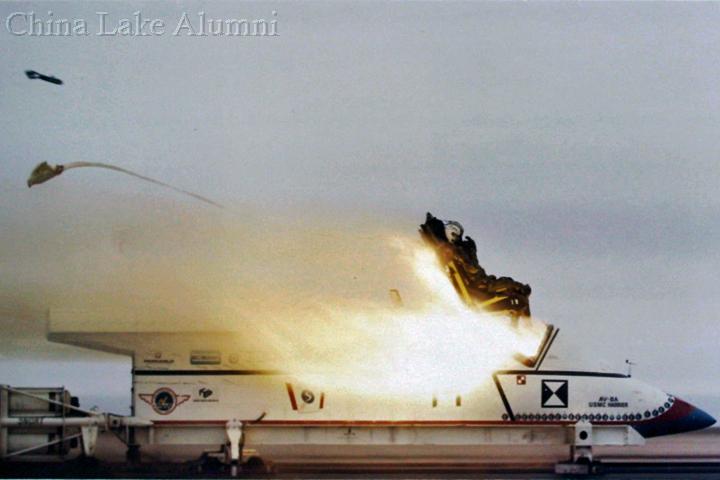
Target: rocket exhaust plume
{"type": "Point", "coordinates": [438, 346]}
{"type": "Point", "coordinates": [44, 172]}
{"type": "Point", "coordinates": [338, 329]}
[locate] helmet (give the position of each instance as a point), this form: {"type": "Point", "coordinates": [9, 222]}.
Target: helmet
{"type": "Point", "coordinates": [453, 231]}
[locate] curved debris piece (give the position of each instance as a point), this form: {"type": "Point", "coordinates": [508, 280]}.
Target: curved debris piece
{"type": "Point", "coordinates": [44, 172]}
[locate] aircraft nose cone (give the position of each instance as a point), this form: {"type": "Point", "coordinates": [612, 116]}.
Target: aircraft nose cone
{"type": "Point", "coordinates": [700, 419]}
{"type": "Point", "coordinates": [680, 417]}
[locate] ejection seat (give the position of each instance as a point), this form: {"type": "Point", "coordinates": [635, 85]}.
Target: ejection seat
{"type": "Point", "coordinates": [473, 284]}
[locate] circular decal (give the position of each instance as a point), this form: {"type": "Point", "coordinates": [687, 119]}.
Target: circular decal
{"type": "Point", "coordinates": [307, 396]}
{"type": "Point", "coordinates": [164, 400]}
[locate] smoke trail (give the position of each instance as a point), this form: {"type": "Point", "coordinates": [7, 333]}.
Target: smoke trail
{"type": "Point", "coordinates": [44, 172]}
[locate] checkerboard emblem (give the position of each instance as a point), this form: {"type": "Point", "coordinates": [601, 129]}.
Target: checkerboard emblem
{"type": "Point", "coordinates": [554, 393]}
{"type": "Point", "coordinates": [520, 380]}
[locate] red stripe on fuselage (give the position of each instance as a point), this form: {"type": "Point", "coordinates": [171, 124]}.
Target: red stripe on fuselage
{"type": "Point", "coordinates": [291, 394]}
{"type": "Point", "coordinates": [372, 423]}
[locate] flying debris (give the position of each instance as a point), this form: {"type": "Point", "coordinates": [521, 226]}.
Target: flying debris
{"type": "Point", "coordinates": [458, 256]}
{"type": "Point", "coordinates": [44, 172]}
{"type": "Point", "coordinates": [33, 75]}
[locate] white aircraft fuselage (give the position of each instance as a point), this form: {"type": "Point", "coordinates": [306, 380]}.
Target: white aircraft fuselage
{"type": "Point", "coordinates": [196, 387]}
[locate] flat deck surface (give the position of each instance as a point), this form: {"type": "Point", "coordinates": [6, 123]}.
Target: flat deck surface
{"type": "Point", "coordinates": [694, 455]}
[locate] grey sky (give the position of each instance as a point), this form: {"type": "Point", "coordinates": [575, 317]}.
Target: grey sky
{"type": "Point", "coordinates": [577, 142]}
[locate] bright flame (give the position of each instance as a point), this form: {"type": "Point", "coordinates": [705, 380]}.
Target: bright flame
{"type": "Point", "coordinates": [441, 347]}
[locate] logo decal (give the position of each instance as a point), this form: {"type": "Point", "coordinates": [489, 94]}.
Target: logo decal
{"type": "Point", "coordinates": [157, 357]}
{"type": "Point", "coordinates": [520, 380]}
{"type": "Point", "coordinates": [554, 393]}
{"type": "Point", "coordinates": [307, 396]}
{"type": "Point", "coordinates": [164, 400]}
{"type": "Point", "coordinates": [205, 395]}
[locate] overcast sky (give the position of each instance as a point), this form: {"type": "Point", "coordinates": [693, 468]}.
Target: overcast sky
{"type": "Point", "coordinates": [578, 143]}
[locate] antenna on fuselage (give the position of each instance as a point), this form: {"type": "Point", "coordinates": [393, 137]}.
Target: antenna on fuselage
{"type": "Point", "coordinates": [629, 364]}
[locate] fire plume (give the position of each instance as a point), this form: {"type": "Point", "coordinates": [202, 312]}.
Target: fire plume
{"type": "Point", "coordinates": [441, 346]}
